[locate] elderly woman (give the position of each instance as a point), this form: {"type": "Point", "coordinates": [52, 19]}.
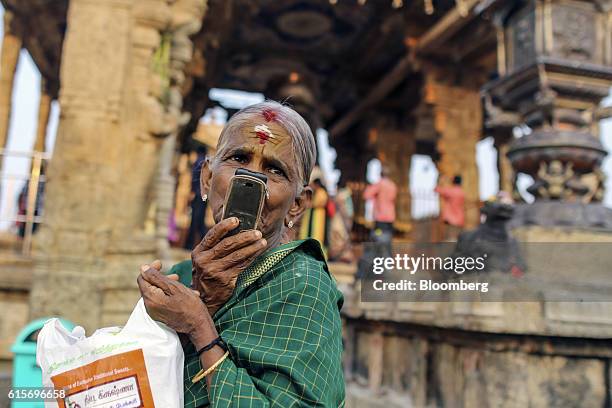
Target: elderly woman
{"type": "Point", "coordinates": [262, 314]}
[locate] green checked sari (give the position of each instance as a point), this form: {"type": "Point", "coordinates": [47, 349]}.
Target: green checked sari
{"type": "Point", "coordinates": [282, 326]}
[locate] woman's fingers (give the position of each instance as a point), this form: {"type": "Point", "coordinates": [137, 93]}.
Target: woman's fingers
{"type": "Point", "coordinates": [244, 256]}
{"type": "Point", "coordinates": [142, 284]}
{"type": "Point", "coordinates": [146, 289]}
{"type": "Point", "coordinates": [155, 278]}
{"type": "Point", "coordinates": [217, 232]}
{"type": "Point", "coordinates": [231, 244]}
{"type": "Point", "coordinates": [156, 264]}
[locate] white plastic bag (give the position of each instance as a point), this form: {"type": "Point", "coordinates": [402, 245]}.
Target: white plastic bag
{"type": "Point", "coordinates": [139, 365]}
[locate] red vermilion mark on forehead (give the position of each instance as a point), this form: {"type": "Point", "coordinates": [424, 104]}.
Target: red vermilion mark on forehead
{"type": "Point", "coordinates": [269, 115]}
{"type": "Point", "coordinates": [263, 133]}
{"type": "Point", "coordinates": [263, 137]}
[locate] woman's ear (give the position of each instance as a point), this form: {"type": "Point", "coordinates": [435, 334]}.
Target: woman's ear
{"type": "Point", "coordinates": [205, 176]}
{"type": "Point", "coordinates": [300, 204]}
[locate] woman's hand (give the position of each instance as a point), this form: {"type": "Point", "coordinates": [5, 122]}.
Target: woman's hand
{"type": "Point", "coordinates": [172, 303]}
{"type": "Point", "coordinates": [218, 261]}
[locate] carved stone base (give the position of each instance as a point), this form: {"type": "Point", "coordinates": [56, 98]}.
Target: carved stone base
{"type": "Point", "coordinates": [562, 214]}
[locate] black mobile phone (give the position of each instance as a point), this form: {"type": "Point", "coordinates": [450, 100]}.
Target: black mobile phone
{"type": "Point", "coordinates": [244, 199]}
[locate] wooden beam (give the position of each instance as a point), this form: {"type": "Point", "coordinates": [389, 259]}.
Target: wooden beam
{"type": "Point", "coordinates": [452, 22]}
{"type": "Point", "coordinates": [11, 47]}
{"type": "Point", "coordinates": [603, 113]}
{"type": "Point", "coordinates": [378, 92]}
{"type": "Point", "coordinates": [44, 109]}
{"type": "Point", "coordinates": [446, 27]}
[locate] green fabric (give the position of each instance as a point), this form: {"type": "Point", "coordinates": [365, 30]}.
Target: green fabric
{"type": "Point", "coordinates": [282, 325]}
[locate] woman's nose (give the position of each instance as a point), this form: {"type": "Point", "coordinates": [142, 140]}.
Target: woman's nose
{"type": "Point", "coordinates": [255, 166]}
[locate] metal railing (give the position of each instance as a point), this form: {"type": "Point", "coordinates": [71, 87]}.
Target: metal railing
{"type": "Point", "coordinates": [425, 204]}
{"type": "Point", "coordinates": [22, 219]}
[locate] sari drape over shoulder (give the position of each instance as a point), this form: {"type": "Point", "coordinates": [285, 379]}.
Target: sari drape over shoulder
{"type": "Point", "coordinates": [283, 329]}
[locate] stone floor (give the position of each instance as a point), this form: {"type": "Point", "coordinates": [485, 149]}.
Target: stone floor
{"type": "Point", "coordinates": [360, 396]}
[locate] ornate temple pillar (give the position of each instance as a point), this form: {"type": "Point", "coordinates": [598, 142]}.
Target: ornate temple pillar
{"type": "Point", "coordinates": [118, 109]}
{"type": "Point", "coordinates": [394, 148]}
{"type": "Point", "coordinates": [352, 162]}
{"type": "Point", "coordinates": [557, 66]}
{"type": "Point", "coordinates": [457, 112]}
{"type": "Point", "coordinates": [11, 47]}
{"type": "Point", "coordinates": [83, 178]}
{"type": "Point", "coordinates": [186, 20]}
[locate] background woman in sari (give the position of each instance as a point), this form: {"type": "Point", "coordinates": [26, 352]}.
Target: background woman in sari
{"type": "Point", "coordinates": [315, 221]}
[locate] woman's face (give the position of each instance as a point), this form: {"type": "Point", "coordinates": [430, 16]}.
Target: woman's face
{"type": "Point", "coordinates": [270, 156]}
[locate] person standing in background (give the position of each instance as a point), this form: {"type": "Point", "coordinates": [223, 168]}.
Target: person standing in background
{"type": "Point", "coordinates": [341, 225]}
{"type": "Point", "coordinates": [452, 212]}
{"type": "Point", "coordinates": [384, 194]}
{"type": "Point", "coordinates": [344, 201]}
{"type": "Point", "coordinates": [315, 220]}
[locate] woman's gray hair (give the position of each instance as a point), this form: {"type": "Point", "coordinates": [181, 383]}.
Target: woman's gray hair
{"type": "Point", "coordinates": [304, 146]}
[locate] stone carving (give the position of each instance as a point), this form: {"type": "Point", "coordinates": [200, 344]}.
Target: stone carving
{"type": "Point", "coordinates": [523, 29]}
{"type": "Point", "coordinates": [594, 183]}
{"type": "Point", "coordinates": [498, 118]}
{"type": "Point", "coordinates": [573, 33]}
{"type": "Point", "coordinates": [492, 238]}
{"type": "Point", "coordinates": [552, 180]}
{"type": "Point", "coordinates": [557, 181]}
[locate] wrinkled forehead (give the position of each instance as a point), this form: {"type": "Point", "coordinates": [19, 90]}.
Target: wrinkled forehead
{"type": "Point", "coordinates": [266, 136]}
{"type": "Point", "coordinates": [260, 133]}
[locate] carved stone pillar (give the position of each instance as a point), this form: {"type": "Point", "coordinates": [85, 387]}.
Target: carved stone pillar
{"type": "Point", "coordinates": [83, 191]}
{"type": "Point", "coordinates": [557, 67]}
{"type": "Point", "coordinates": [353, 165]}
{"type": "Point", "coordinates": [11, 46]}
{"type": "Point", "coordinates": [458, 121]}
{"type": "Point", "coordinates": [395, 148]}
{"type": "Point", "coordinates": [186, 20]}
{"type": "Point", "coordinates": [351, 158]}
{"type": "Point", "coordinates": [115, 118]}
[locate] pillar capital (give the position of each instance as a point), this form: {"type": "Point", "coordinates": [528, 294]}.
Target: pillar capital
{"type": "Point", "coordinates": [556, 68]}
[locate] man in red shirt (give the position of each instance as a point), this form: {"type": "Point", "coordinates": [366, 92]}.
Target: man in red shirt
{"type": "Point", "coordinates": [384, 194]}
{"type": "Point", "coordinates": [452, 211]}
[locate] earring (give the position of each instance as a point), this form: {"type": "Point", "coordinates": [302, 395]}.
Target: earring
{"type": "Point", "coordinates": [204, 197]}
{"type": "Point", "coordinates": [290, 224]}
